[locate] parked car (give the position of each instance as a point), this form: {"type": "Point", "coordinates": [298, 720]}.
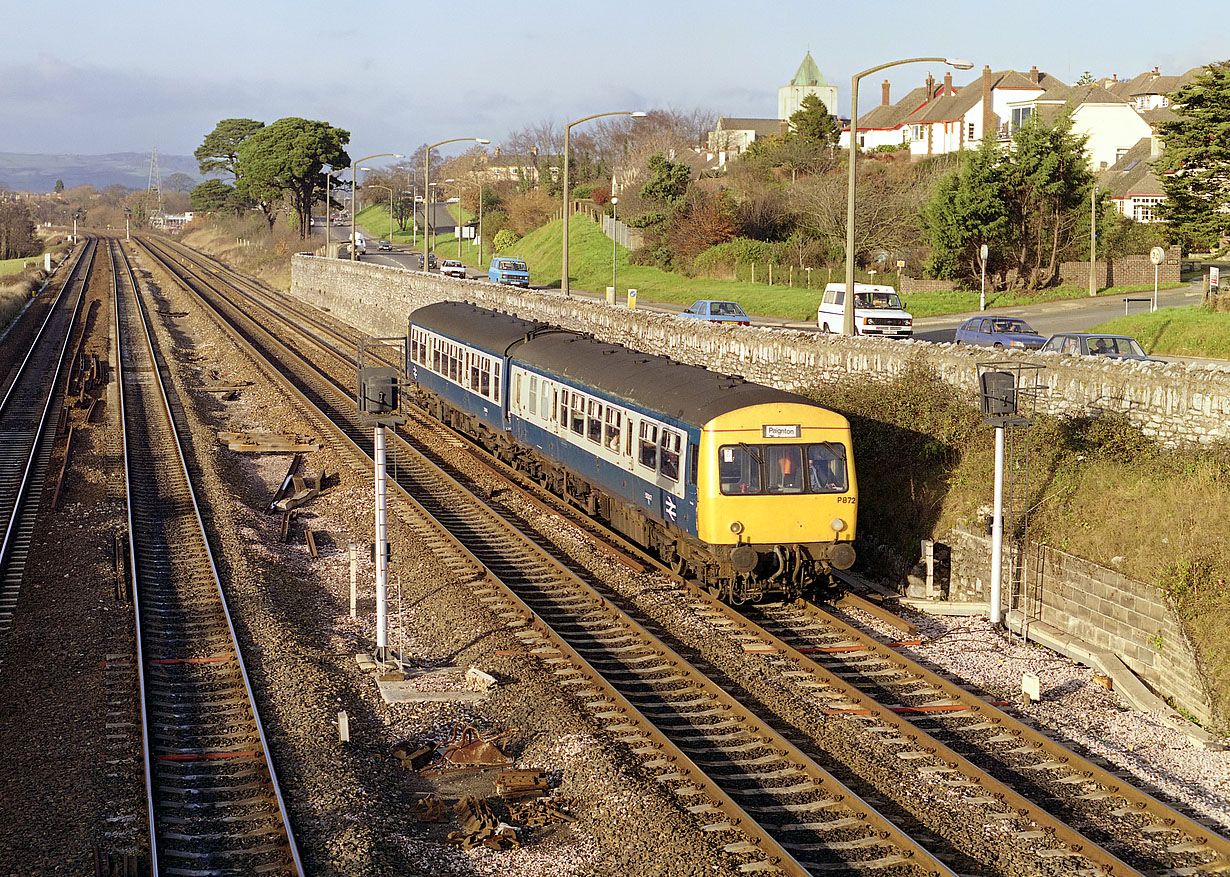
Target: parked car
{"type": "Point", "coordinates": [718, 312]}
{"type": "Point", "coordinates": [877, 311]}
{"type": "Point", "coordinates": [1093, 344]}
{"type": "Point", "coordinates": [431, 261]}
{"type": "Point", "coordinates": [453, 268]}
{"type": "Point", "coordinates": [383, 245]}
{"type": "Point", "coordinates": [998, 332]}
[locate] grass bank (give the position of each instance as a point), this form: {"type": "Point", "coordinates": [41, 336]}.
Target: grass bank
{"type": "Point", "coordinates": [1186, 331]}
{"type": "Point", "coordinates": [1099, 489]}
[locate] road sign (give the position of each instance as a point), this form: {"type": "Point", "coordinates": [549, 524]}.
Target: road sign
{"type": "Point", "coordinates": [901, 263]}
{"type": "Point", "coordinates": [1157, 255]}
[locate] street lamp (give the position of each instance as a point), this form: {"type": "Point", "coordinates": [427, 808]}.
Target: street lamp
{"type": "Point", "coordinates": [429, 227]}
{"type": "Point", "coordinates": [847, 324]}
{"type": "Point", "coordinates": [390, 191]}
{"type": "Point", "coordinates": [427, 185]}
{"type": "Point", "coordinates": [354, 188]}
{"type": "Point", "coordinates": [458, 182]}
{"type": "Point", "coordinates": [614, 243]}
{"type": "Point", "coordinates": [567, 129]}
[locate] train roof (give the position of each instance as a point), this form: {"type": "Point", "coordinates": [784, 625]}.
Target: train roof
{"type": "Point", "coordinates": [689, 393]}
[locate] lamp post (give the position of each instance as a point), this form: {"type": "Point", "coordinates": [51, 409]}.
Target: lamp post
{"type": "Point", "coordinates": [429, 227]}
{"type": "Point", "coordinates": [427, 185]}
{"type": "Point", "coordinates": [354, 187]}
{"type": "Point", "coordinates": [1093, 239]}
{"type": "Point", "coordinates": [614, 242]}
{"type": "Point", "coordinates": [458, 182]}
{"type": "Point", "coordinates": [128, 237]}
{"type": "Point", "coordinates": [567, 130]}
{"type": "Point", "coordinates": [847, 324]}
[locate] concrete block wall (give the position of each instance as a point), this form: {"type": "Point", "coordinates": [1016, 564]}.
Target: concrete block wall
{"type": "Point", "coordinates": [1100, 606]}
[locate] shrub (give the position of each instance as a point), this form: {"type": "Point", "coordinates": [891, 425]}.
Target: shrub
{"type": "Point", "coordinates": [505, 239]}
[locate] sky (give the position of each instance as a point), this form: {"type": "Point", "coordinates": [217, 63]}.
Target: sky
{"type": "Point", "coordinates": [128, 76]}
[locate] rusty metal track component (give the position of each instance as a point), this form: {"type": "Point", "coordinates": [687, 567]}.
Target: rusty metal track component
{"type": "Point", "coordinates": [834, 654]}
{"type": "Point", "coordinates": [32, 397]}
{"type": "Point", "coordinates": [214, 805]}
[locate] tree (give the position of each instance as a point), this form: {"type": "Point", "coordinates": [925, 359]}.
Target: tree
{"type": "Point", "coordinates": [668, 180]}
{"type": "Point", "coordinates": [814, 124]}
{"type": "Point", "coordinates": [701, 221]}
{"type": "Point", "coordinates": [286, 160]}
{"type": "Point", "coordinates": [1048, 181]}
{"type": "Point", "coordinates": [18, 238]}
{"type": "Point", "coordinates": [177, 182]}
{"type": "Point", "coordinates": [969, 209]}
{"type": "Point", "coordinates": [219, 151]}
{"type": "Point", "coordinates": [214, 196]}
{"type": "Point", "coordinates": [59, 186]}
{"type": "Point", "coordinates": [1196, 160]}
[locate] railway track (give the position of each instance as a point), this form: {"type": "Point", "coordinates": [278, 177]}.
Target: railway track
{"type": "Point", "coordinates": [33, 396]}
{"type": "Point", "coordinates": [1154, 837]}
{"type": "Point", "coordinates": [214, 805]}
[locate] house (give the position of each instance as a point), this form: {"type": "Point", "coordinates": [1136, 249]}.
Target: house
{"type": "Point", "coordinates": [1109, 121]}
{"type": "Point", "coordinates": [940, 118]}
{"type": "Point", "coordinates": [733, 136]}
{"type": "Point", "coordinates": [1131, 182]}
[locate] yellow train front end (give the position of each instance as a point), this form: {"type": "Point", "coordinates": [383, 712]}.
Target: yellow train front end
{"type": "Point", "coordinates": [777, 500]}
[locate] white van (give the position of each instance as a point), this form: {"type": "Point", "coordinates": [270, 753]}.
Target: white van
{"type": "Point", "coordinates": [877, 311]}
{"type": "Point", "coordinates": [360, 243]}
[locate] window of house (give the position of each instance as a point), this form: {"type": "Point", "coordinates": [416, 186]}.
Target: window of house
{"type": "Point", "coordinates": [1145, 209]}
{"type": "Point", "coordinates": [1020, 115]}
{"type": "Point", "coordinates": [916, 132]}
{"type": "Point", "coordinates": [969, 134]}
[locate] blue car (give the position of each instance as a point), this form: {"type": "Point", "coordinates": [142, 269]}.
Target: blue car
{"type": "Point", "coordinates": [718, 312]}
{"type": "Point", "coordinates": [998, 332]}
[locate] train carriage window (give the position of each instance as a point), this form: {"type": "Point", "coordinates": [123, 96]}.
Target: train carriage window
{"type": "Point", "coordinates": [614, 421]}
{"type": "Point", "coordinates": [594, 421]}
{"type": "Point", "coordinates": [475, 369]}
{"type": "Point", "coordinates": [826, 468]}
{"type": "Point", "coordinates": [495, 381]}
{"type": "Point", "coordinates": [435, 356]}
{"type": "Point", "coordinates": [784, 468]}
{"type": "Point", "coordinates": [739, 469]}
{"type": "Point", "coordinates": [516, 394]}
{"type": "Point", "coordinates": [548, 405]}
{"type": "Point", "coordinates": [533, 392]}
{"type": "Point", "coordinates": [577, 421]}
{"type": "Point", "coordinates": [649, 446]}
{"type": "Point", "coordinates": [563, 408]}
{"type": "Point", "coordinates": [631, 431]}
{"type": "Point", "coordinates": [672, 444]}
{"type": "Point", "coordinates": [484, 378]}
{"type": "Point", "coordinates": [692, 465]}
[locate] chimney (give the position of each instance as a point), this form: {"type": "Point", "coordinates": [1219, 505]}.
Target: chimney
{"type": "Point", "coordinates": [988, 113]}
{"type": "Point", "coordinates": [1114, 77]}
{"type": "Point", "coordinates": [884, 94]}
{"type": "Point", "coordinates": [948, 82]}
{"type": "Point", "coordinates": [496, 151]}
{"type": "Point", "coordinates": [1033, 74]}
{"type": "Point", "coordinates": [930, 86]}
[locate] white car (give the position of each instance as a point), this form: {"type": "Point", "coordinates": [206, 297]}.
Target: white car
{"type": "Point", "coordinates": [453, 268]}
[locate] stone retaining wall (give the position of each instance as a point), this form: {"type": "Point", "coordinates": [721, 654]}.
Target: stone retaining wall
{"type": "Point", "coordinates": [1177, 404]}
{"type": "Point", "coordinates": [1110, 611]}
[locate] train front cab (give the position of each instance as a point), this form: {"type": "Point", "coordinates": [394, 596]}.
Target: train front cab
{"type": "Point", "coordinates": [776, 489]}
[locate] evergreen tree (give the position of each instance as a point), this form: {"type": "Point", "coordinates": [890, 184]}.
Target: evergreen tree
{"type": "Point", "coordinates": [1196, 161]}
{"type": "Point", "coordinates": [286, 161]}
{"type": "Point", "coordinates": [969, 209]}
{"type": "Point", "coordinates": [814, 124]}
{"type": "Point", "coordinates": [668, 180]}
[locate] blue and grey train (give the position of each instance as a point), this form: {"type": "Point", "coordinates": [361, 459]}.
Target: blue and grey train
{"type": "Point", "coordinates": [747, 490]}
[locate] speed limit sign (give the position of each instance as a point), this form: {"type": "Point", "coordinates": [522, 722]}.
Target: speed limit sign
{"type": "Point", "coordinates": [1157, 255]}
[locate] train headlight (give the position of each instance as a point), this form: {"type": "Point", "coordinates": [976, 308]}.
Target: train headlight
{"type": "Point", "coordinates": [837, 524]}
{"type": "Point", "coordinates": [736, 527]}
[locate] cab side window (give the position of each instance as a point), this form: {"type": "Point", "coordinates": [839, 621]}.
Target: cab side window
{"type": "Point", "coordinates": [672, 445]}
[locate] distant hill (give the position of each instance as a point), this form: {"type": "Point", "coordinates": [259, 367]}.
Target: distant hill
{"type": "Point", "coordinates": [20, 172]}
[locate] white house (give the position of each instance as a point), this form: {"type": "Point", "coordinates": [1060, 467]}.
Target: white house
{"type": "Point", "coordinates": [1111, 123]}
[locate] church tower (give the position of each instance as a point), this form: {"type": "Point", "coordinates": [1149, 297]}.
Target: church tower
{"type": "Point", "coordinates": [807, 80]}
